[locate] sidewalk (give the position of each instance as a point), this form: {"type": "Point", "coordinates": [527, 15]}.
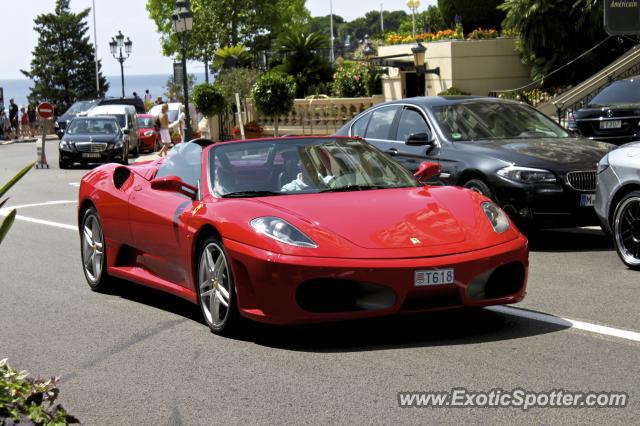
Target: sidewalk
{"type": "Point", "coordinates": [49, 138]}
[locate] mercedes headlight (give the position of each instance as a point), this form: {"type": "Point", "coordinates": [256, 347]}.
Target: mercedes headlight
{"type": "Point", "coordinates": [283, 231]}
{"type": "Point", "coordinates": [496, 216]}
{"type": "Point", "coordinates": [64, 144]}
{"type": "Point", "coordinates": [527, 175]}
{"type": "Point", "coordinates": [118, 143]}
{"type": "Point", "coordinates": [603, 164]}
{"type": "Point", "coordinates": [149, 133]}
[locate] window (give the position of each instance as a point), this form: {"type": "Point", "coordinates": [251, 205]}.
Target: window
{"type": "Point", "coordinates": [380, 124]}
{"type": "Point", "coordinates": [411, 122]}
{"type": "Point", "coordinates": [184, 161]}
{"type": "Point", "coordinates": [360, 126]}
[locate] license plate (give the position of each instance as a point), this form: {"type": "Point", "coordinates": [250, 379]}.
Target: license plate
{"type": "Point", "coordinates": [433, 277]}
{"type": "Point", "coordinates": [587, 200]}
{"type": "Point", "coordinates": [91, 155]}
{"type": "Point", "coordinates": [612, 124]}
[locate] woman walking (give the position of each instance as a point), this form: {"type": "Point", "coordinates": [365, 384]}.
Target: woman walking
{"type": "Point", "coordinates": [31, 112]}
{"type": "Point", "coordinates": [165, 136]}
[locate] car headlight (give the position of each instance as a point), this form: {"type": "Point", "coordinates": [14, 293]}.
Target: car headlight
{"type": "Point", "coordinates": [56, 123]}
{"type": "Point", "coordinates": [118, 143]}
{"type": "Point", "coordinates": [283, 231]}
{"type": "Point", "coordinates": [603, 164]}
{"type": "Point", "coordinates": [64, 144]}
{"type": "Point", "coordinates": [527, 175]}
{"type": "Point", "coordinates": [496, 216]}
{"type": "Point", "coordinates": [149, 133]}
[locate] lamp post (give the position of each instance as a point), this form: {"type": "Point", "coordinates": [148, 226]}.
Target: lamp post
{"type": "Point", "coordinates": [413, 5]}
{"type": "Point", "coordinates": [419, 62]}
{"type": "Point", "coordinates": [116, 45]}
{"type": "Point", "coordinates": [183, 24]}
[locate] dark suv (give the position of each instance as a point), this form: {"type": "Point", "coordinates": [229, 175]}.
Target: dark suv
{"type": "Point", "coordinates": [613, 115]}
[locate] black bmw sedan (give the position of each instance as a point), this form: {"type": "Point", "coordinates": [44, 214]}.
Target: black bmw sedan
{"type": "Point", "coordinates": [92, 140]}
{"type": "Point", "coordinates": [613, 115]}
{"type": "Point", "coordinates": [538, 172]}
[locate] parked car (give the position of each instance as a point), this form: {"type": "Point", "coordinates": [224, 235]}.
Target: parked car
{"type": "Point", "coordinates": [618, 201]}
{"type": "Point", "coordinates": [128, 121]}
{"type": "Point", "coordinates": [92, 140]}
{"type": "Point", "coordinates": [78, 109]}
{"type": "Point", "coordinates": [137, 103]}
{"type": "Point", "coordinates": [251, 228]}
{"type": "Point", "coordinates": [509, 152]}
{"type": "Point", "coordinates": [148, 132]}
{"type": "Point", "coordinates": [613, 115]}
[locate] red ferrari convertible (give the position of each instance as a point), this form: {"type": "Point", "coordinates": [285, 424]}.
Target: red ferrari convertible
{"type": "Point", "coordinates": [296, 230]}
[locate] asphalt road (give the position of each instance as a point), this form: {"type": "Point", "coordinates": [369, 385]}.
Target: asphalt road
{"type": "Point", "coordinates": [136, 356]}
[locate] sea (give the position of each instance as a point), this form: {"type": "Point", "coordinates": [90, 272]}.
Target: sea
{"type": "Point", "coordinates": [19, 89]}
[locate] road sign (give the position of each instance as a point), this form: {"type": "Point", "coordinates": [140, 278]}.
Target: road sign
{"type": "Point", "coordinates": [622, 17]}
{"type": "Point", "coordinates": [45, 110]}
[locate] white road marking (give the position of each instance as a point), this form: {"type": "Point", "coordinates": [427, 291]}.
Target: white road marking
{"type": "Point", "coordinates": [76, 184]}
{"type": "Point", "coordinates": [5, 211]}
{"type": "Point", "coordinates": [569, 323]}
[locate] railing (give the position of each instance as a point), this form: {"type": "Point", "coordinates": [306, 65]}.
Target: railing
{"type": "Point", "coordinates": [315, 116]}
{"type": "Point", "coordinates": [575, 97]}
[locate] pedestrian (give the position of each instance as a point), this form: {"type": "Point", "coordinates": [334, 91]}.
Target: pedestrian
{"type": "Point", "coordinates": [181, 122]}
{"type": "Point", "coordinates": [24, 123]}
{"type": "Point", "coordinates": [13, 118]}
{"type": "Point", "coordinates": [159, 100]}
{"type": "Point", "coordinates": [165, 136]}
{"type": "Point", "coordinates": [147, 96]}
{"type": "Point", "coordinates": [33, 118]}
{"type": "Point", "coordinates": [135, 95]}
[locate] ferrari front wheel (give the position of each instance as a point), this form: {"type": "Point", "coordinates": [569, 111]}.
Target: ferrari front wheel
{"type": "Point", "coordinates": [93, 248]}
{"type": "Point", "coordinates": [216, 291]}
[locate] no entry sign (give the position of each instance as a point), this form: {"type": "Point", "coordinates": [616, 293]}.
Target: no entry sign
{"type": "Point", "coordinates": [45, 110]}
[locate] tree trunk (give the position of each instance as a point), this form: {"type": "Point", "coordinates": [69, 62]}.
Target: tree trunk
{"type": "Point", "coordinates": [275, 127]}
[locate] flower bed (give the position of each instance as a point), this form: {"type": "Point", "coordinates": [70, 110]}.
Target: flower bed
{"type": "Point", "coordinates": [457, 34]}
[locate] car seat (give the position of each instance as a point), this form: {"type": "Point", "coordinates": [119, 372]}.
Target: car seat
{"type": "Point", "coordinates": [291, 168]}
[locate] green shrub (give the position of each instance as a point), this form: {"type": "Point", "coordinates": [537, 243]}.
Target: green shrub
{"type": "Point", "coordinates": [273, 95]}
{"type": "Point", "coordinates": [350, 80]}
{"type": "Point", "coordinates": [25, 400]}
{"type": "Point", "coordinates": [208, 99]}
{"type": "Point", "coordinates": [453, 91]}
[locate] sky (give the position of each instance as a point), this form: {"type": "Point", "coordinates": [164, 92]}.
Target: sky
{"type": "Point", "coordinates": [131, 17]}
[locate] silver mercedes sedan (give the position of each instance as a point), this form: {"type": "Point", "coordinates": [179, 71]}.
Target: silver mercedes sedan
{"type": "Point", "coordinates": [618, 200]}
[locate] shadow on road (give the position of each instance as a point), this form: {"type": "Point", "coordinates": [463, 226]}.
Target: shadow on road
{"type": "Point", "coordinates": [563, 240]}
{"type": "Point", "coordinates": [456, 327]}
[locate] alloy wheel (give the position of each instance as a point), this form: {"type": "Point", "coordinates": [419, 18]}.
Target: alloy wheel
{"type": "Point", "coordinates": [626, 228]}
{"type": "Point", "coordinates": [92, 248]}
{"type": "Point", "coordinates": [215, 285]}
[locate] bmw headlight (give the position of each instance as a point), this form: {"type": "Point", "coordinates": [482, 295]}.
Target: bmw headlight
{"type": "Point", "coordinates": [527, 175]}
{"type": "Point", "coordinates": [149, 133]}
{"type": "Point", "coordinates": [496, 216]}
{"type": "Point", "coordinates": [603, 164]}
{"type": "Point", "coordinates": [283, 231]}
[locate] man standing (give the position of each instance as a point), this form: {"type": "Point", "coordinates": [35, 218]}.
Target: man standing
{"type": "Point", "coordinates": [147, 96]}
{"type": "Point", "coordinates": [13, 118]}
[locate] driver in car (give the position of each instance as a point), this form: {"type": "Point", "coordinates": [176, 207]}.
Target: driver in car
{"type": "Point", "coordinates": [303, 181]}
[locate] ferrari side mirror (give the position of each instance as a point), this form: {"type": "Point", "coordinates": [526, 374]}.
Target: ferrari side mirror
{"type": "Point", "coordinates": [174, 184]}
{"type": "Point", "coordinates": [426, 171]}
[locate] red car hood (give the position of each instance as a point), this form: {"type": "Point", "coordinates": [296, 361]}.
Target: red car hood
{"type": "Point", "coordinates": [377, 219]}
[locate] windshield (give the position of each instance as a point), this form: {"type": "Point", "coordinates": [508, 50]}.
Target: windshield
{"type": "Point", "coordinates": [81, 106]}
{"type": "Point", "coordinates": [295, 166]}
{"type": "Point", "coordinates": [146, 122]}
{"type": "Point", "coordinates": [619, 93]}
{"type": "Point", "coordinates": [471, 121]}
{"type": "Point", "coordinates": [106, 126]}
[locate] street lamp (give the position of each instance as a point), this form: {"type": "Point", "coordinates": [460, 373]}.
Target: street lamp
{"type": "Point", "coordinates": [413, 5]}
{"type": "Point", "coordinates": [419, 53]}
{"type": "Point", "coordinates": [183, 24]}
{"type": "Point", "coordinates": [116, 45]}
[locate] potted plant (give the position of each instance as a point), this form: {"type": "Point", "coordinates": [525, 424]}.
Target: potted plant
{"type": "Point", "coordinates": [273, 96]}
{"type": "Point", "coordinates": [209, 100]}
{"type": "Point", "coordinates": [252, 130]}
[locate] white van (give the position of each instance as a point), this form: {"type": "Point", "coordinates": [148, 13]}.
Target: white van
{"type": "Point", "coordinates": [128, 121]}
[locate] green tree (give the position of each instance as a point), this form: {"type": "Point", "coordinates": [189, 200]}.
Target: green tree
{"type": "Point", "coordinates": [174, 92]}
{"type": "Point", "coordinates": [431, 17]}
{"type": "Point", "coordinates": [273, 95]}
{"type": "Point", "coordinates": [302, 60]}
{"type": "Point", "coordinates": [474, 13]}
{"type": "Point", "coordinates": [62, 66]}
{"type": "Point", "coordinates": [540, 22]}
{"type": "Point", "coordinates": [236, 80]}
{"type": "Point", "coordinates": [219, 23]}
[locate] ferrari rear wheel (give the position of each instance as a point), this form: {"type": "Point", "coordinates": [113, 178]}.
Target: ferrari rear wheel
{"type": "Point", "coordinates": [92, 248]}
{"type": "Point", "coordinates": [216, 291]}
{"type": "Point", "coordinates": [626, 230]}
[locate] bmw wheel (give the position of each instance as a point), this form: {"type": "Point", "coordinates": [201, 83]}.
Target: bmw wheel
{"type": "Point", "coordinates": [93, 251]}
{"type": "Point", "coordinates": [216, 291]}
{"type": "Point", "coordinates": [626, 230]}
{"type": "Point", "coordinates": [480, 187]}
